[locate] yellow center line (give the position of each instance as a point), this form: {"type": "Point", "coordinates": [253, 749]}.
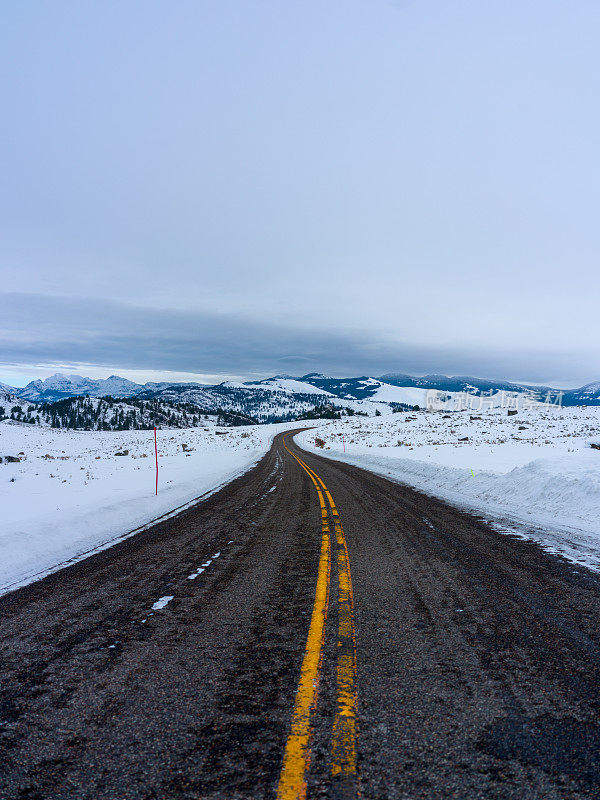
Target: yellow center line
{"type": "Point", "coordinates": [292, 783]}
{"type": "Point", "coordinates": [296, 759]}
{"type": "Point", "coordinates": [343, 741]}
{"type": "Point", "coordinates": [343, 744]}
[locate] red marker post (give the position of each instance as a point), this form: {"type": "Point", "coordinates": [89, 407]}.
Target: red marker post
{"type": "Point", "coordinates": [156, 454]}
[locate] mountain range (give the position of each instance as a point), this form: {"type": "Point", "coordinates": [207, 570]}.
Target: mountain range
{"type": "Point", "coordinates": [285, 396]}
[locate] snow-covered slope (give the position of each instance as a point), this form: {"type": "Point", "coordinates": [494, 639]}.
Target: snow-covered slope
{"type": "Point", "coordinates": [460, 383]}
{"type": "Point", "coordinates": [585, 395]}
{"type": "Point", "coordinates": [373, 390]}
{"type": "Point", "coordinates": [7, 395]}
{"type": "Point", "coordinates": [265, 401]}
{"type": "Point", "coordinates": [8, 400]}
{"type": "Point", "coordinates": [281, 384]}
{"type": "Point", "coordinates": [386, 393]}
{"type": "Point", "coordinates": [71, 492]}
{"type": "Point", "coordinates": [590, 393]}
{"type": "Point", "coordinates": [535, 470]}
{"type": "Point", "coordinates": [94, 413]}
{"type": "Point", "coordinates": [363, 388]}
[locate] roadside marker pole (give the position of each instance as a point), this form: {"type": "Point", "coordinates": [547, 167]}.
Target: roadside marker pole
{"type": "Point", "coordinates": [344, 443]}
{"type": "Point", "coordinates": [156, 455]}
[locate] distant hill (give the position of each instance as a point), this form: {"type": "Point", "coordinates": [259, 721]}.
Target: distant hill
{"type": "Point", "coordinates": [7, 395]}
{"type": "Point", "coordinates": [460, 383]}
{"type": "Point", "coordinates": [9, 401]}
{"type": "Point", "coordinates": [118, 414]}
{"type": "Point", "coordinates": [588, 395]}
{"type": "Point", "coordinates": [585, 395]}
{"type": "Point", "coordinates": [284, 397]}
{"type": "Point", "coordinates": [265, 401]}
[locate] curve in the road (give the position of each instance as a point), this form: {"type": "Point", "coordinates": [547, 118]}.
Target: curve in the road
{"type": "Point", "coordinates": [478, 653]}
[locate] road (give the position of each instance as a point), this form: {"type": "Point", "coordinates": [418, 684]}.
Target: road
{"type": "Point", "coordinates": [329, 632]}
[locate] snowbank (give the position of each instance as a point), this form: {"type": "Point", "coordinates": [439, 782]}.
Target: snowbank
{"type": "Point", "coordinates": [535, 475]}
{"type": "Point", "coordinates": [71, 494]}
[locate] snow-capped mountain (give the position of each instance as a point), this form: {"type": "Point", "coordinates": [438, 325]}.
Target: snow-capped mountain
{"type": "Point", "coordinates": [284, 397]}
{"type": "Point", "coordinates": [60, 386]}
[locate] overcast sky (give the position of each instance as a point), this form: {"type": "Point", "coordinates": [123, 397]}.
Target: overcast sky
{"type": "Point", "coordinates": [238, 188]}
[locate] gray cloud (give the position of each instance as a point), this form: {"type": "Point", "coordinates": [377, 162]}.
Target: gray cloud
{"type": "Point", "coordinates": [359, 189]}
{"type": "Point", "coordinates": [47, 329]}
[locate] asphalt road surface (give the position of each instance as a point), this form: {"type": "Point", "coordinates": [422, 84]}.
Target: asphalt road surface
{"type": "Point", "coordinates": [329, 632]}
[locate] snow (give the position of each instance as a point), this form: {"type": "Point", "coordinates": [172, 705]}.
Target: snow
{"type": "Point", "coordinates": [195, 574]}
{"type": "Point", "coordinates": [296, 387]}
{"type": "Point", "coordinates": [7, 399]}
{"type": "Point", "coordinates": [206, 564]}
{"type": "Point", "coordinates": [164, 601]}
{"type": "Point", "coordinates": [70, 495]}
{"type": "Point", "coordinates": [386, 393]}
{"type": "Point", "coordinates": [59, 385]}
{"type": "Point", "coordinates": [7, 391]}
{"type": "Point", "coordinates": [287, 385]}
{"type": "Point", "coordinates": [590, 389]}
{"type": "Point", "coordinates": [533, 474]}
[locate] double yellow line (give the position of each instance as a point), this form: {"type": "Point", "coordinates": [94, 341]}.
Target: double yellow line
{"type": "Point", "coordinates": [296, 759]}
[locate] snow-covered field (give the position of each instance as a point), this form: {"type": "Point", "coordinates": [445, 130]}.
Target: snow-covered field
{"type": "Point", "coordinates": [532, 473]}
{"type": "Point", "coordinates": [71, 494]}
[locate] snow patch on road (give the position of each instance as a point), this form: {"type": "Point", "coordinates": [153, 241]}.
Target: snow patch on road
{"type": "Point", "coordinates": [164, 601]}
{"type": "Point", "coordinates": [206, 564]}
{"type": "Point", "coordinates": [194, 575]}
